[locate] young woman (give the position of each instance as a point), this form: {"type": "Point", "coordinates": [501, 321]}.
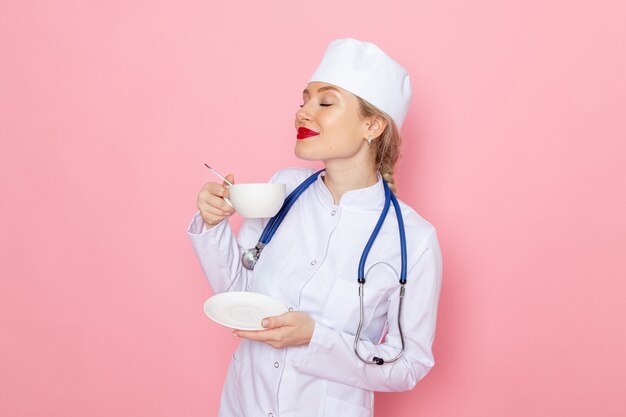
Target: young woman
{"type": "Point", "coordinates": [306, 362]}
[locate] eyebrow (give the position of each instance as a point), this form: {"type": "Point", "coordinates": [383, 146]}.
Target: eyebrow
{"type": "Point", "coordinates": [328, 87]}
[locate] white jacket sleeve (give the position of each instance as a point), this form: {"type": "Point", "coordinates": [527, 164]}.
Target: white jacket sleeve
{"type": "Point", "coordinates": [219, 251]}
{"type": "Point", "coordinates": [219, 254]}
{"type": "Point", "coordinates": [330, 353]}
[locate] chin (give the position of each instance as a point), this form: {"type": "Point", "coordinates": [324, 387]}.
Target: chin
{"type": "Point", "coordinates": [302, 152]}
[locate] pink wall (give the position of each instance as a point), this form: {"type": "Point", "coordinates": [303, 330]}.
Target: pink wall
{"type": "Point", "coordinates": [514, 150]}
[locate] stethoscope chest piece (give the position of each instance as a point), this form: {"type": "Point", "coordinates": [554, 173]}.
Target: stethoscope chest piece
{"type": "Point", "coordinates": [251, 256]}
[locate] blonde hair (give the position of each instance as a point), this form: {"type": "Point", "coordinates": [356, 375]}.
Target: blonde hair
{"type": "Point", "coordinates": [385, 150]}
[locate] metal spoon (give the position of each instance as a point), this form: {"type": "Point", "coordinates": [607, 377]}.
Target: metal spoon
{"type": "Point", "coordinates": [225, 180]}
{"type": "Point", "coordinates": [218, 174]}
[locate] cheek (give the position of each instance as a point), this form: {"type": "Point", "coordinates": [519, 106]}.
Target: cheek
{"type": "Point", "coordinates": [344, 123]}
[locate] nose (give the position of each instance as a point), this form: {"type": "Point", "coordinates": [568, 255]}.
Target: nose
{"type": "Point", "coordinates": [302, 115]}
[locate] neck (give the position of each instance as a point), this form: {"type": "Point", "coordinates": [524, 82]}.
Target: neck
{"type": "Point", "coordinates": [341, 179]}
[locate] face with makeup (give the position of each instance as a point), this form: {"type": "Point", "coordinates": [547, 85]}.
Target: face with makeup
{"type": "Point", "coordinates": [329, 125]}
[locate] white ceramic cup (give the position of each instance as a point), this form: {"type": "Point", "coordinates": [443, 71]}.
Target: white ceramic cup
{"type": "Point", "coordinates": [257, 200]}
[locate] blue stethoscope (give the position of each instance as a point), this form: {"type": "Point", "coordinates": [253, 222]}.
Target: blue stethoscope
{"type": "Point", "coordinates": [251, 256]}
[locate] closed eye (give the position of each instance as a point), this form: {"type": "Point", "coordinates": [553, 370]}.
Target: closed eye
{"type": "Point", "coordinates": [321, 104]}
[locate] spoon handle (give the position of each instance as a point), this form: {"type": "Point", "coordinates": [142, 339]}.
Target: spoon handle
{"type": "Point", "coordinates": [230, 183]}
{"type": "Point", "coordinates": [218, 174]}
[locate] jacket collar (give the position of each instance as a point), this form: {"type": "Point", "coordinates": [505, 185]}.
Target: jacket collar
{"type": "Point", "coordinates": [370, 198]}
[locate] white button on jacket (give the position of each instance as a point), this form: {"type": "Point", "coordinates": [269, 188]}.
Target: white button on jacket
{"type": "Point", "coordinates": [311, 265]}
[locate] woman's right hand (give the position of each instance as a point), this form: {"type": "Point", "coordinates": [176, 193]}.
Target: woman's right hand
{"type": "Point", "coordinates": [211, 204]}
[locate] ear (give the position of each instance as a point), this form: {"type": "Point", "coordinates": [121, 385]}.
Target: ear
{"type": "Point", "coordinates": [375, 126]}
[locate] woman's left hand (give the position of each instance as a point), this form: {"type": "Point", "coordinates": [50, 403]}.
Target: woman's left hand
{"type": "Point", "coordinates": [293, 328]}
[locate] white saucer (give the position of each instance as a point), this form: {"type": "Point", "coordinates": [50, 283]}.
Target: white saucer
{"type": "Point", "coordinates": [242, 310]}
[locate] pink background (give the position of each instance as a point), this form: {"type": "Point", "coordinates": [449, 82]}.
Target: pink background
{"type": "Point", "coordinates": [514, 150]}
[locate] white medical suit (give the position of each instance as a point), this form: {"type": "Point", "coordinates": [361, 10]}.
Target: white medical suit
{"type": "Point", "coordinates": [311, 265]}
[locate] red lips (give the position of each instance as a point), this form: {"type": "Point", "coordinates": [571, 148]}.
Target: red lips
{"type": "Point", "coordinates": [304, 133]}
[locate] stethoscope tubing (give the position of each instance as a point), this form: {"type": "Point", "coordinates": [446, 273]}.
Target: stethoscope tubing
{"type": "Point", "coordinates": [251, 256]}
{"type": "Point", "coordinates": [370, 242]}
{"type": "Point", "coordinates": [389, 197]}
{"type": "Point", "coordinates": [275, 221]}
{"type": "Point", "coordinates": [403, 251]}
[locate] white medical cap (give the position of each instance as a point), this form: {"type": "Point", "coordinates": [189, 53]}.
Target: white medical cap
{"type": "Point", "coordinates": [368, 72]}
